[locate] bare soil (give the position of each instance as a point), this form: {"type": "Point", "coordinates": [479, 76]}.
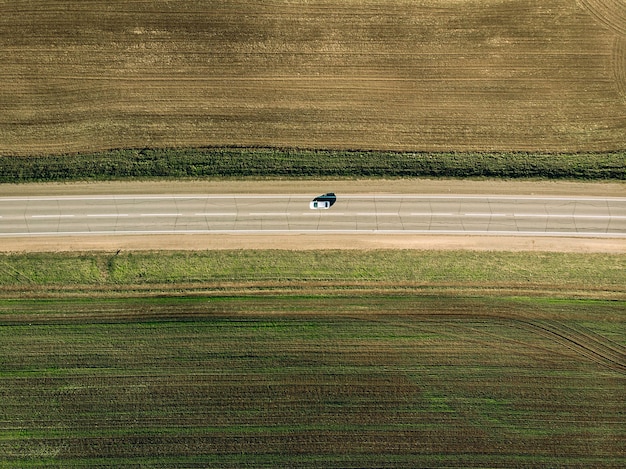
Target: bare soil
{"type": "Point", "coordinates": [317, 186]}
{"type": "Point", "coordinates": [300, 242]}
{"type": "Point", "coordinates": [538, 75]}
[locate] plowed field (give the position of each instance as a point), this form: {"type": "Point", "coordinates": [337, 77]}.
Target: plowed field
{"type": "Point", "coordinates": [83, 75]}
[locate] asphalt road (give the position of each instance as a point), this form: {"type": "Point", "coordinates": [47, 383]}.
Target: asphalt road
{"type": "Point", "coordinates": [428, 214]}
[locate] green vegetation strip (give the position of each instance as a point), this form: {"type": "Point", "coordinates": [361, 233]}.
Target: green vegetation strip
{"type": "Point", "coordinates": [293, 163]}
{"type": "Point", "coordinates": [559, 271]}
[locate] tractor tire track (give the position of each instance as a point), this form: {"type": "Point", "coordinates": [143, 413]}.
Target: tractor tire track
{"type": "Point", "coordinates": [583, 341]}
{"type": "Point", "coordinates": [610, 13]}
{"type": "Point", "coordinates": [619, 65]}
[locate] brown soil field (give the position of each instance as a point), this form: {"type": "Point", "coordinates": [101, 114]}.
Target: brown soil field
{"type": "Point", "coordinates": [546, 75]}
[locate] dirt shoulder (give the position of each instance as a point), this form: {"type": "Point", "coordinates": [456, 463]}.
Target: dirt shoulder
{"type": "Point", "coordinates": [315, 187]}
{"type": "Point", "coordinates": [311, 241]}
{"type": "Point", "coordinates": [200, 242]}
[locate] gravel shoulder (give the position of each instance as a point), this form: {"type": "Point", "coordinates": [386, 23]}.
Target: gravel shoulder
{"type": "Point", "coordinates": [315, 187]}
{"type": "Point", "coordinates": [310, 242]}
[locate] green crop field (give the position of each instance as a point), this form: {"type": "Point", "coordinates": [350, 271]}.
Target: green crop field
{"type": "Point", "coordinates": [309, 359]}
{"type": "Point", "coordinates": [348, 381]}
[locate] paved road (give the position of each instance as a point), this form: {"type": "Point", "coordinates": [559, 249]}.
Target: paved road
{"type": "Point", "coordinates": [153, 214]}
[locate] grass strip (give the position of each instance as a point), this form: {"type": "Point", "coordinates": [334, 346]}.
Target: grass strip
{"type": "Point", "coordinates": [594, 273]}
{"type": "Point", "coordinates": [293, 163]}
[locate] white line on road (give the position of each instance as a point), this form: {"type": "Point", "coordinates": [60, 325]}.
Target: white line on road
{"type": "Point", "coordinates": [52, 216]}
{"type": "Point", "coordinates": [547, 215]}
{"type": "Point", "coordinates": [516, 215]}
{"type": "Point", "coordinates": [573, 234]}
{"type": "Point", "coordinates": [485, 215]}
{"type": "Point", "coordinates": [107, 215]}
{"type": "Point", "coordinates": [362, 214]}
{"type": "Point", "coordinates": [307, 197]}
{"type": "Point", "coordinates": [154, 197]}
{"type": "Point", "coordinates": [163, 215]}
{"type": "Point", "coordinates": [216, 214]}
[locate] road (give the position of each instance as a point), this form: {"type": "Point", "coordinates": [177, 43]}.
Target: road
{"type": "Point", "coordinates": [425, 214]}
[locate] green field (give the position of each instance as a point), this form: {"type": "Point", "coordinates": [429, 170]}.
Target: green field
{"type": "Point", "coordinates": [354, 381]}
{"type": "Point", "coordinates": [312, 359]}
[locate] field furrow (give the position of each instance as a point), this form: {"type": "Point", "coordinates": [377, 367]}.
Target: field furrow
{"type": "Point", "coordinates": [610, 13]}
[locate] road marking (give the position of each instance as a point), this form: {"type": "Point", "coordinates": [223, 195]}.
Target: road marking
{"type": "Point", "coordinates": [52, 216]}
{"type": "Point", "coordinates": [156, 197]}
{"type": "Point", "coordinates": [570, 216]}
{"type": "Point", "coordinates": [162, 215]}
{"type": "Point", "coordinates": [480, 197]}
{"type": "Point", "coordinates": [216, 214]}
{"type": "Point", "coordinates": [485, 215]}
{"type": "Point", "coordinates": [547, 215]}
{"type": "Point", "coordinates": [369, 214]}
{"type": "Point", "coordinates": [518, 215]}
{"type": "Point", "coordinates": [309, 197]}
{"type": "Point", "coordinates": [574, 234]}
{"type": "Point", "coordinates": [107, 215]}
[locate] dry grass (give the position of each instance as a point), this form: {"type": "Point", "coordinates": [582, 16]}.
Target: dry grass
{"type": "Point", "coordinates": [466, 75]}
